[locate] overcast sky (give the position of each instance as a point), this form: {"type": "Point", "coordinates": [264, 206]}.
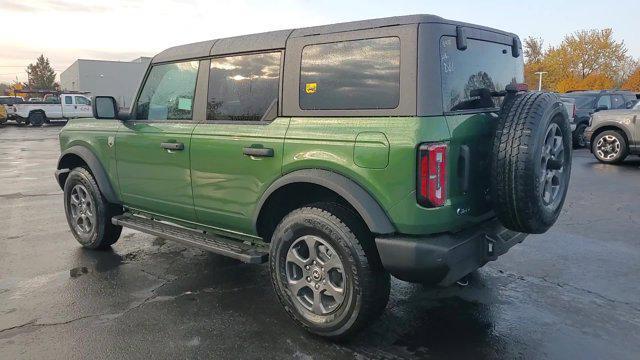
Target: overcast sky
{"type": "Point", "coordinates": [65, 30]}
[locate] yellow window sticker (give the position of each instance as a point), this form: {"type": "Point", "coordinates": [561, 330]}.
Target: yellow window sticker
{"type": "Point", "coordinates": [310, 88]}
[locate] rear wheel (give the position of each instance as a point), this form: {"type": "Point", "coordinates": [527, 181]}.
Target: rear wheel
{"type": "Point", "coordinates": [610, 147]}
{"type": "Point", "coordinates": [326, 272]}
{"type": "Point", "coordinates": [88, 212]}
{"type": "Point", "coordinates": [37, 118]}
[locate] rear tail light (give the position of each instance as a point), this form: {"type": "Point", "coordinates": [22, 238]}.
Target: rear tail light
{"type": "Point", "coordinates": [431, 187]}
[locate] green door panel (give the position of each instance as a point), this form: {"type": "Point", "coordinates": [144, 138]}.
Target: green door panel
{"type": "Point", "coordinates": [227, 184]}
{"type": "Point", "coordinates": [152, 178]}
{"type": "Point", "coordinates": [371, 150]}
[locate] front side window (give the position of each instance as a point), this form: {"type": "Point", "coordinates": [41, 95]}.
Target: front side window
{"type": "Point", "coordinates": [470, 76]}
{"type": "Point", "coordinates": [168, 92]}
{"type": "Point", "coordinates": [605, 100]}
{"type": "Point", "coordinates": [351, 75]}
{"type": "Point", "coordinates": [242, 88]}
{"type": "Point", "coordinates": [81, 100]}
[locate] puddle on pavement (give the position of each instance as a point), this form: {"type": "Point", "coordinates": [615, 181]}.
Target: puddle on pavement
{"type": "Point", "coordinates": [78, 271]}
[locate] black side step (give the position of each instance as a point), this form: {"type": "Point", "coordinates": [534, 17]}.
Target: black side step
{"type": "Point", "coordinates": [214, 243]}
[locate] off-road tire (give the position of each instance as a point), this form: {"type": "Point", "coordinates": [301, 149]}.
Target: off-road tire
{"type": "Point", "coordinates": [104, 233]}
{"type": "Point", "coordinates": [621, 154]}
{"type": "Point", "coordinates": [36, 118]}
{"type": "Point", "coordinates": [578, 136]}
{"type": "Point", "coordinates": [518, 162]}
{"type": "Point", "coordinates": [367, 292]}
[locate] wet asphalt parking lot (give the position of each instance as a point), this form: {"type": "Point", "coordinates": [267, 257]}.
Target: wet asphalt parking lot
{"type": "Point", "coordinates": [572, 293]}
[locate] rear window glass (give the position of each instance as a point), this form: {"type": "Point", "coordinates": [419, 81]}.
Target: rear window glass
{"type": "Point", "coordinates": [469, 76]}
{"type": "Point", "coordinates": [582, 101]}
{"type": "Point", "coordinates": [350, 75]}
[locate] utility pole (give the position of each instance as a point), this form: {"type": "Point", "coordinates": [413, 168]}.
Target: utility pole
{"type": "Point", "coordinates": [540, 73]}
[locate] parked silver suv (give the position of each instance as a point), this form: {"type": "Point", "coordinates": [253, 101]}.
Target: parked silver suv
{"type": "Point", "coordinates": [614, 134]}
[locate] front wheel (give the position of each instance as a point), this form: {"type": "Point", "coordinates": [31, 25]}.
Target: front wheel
{"type": "Point", "coordinates": [579, 141]}
{"type": "Point", "coordinates": [610, 147]}
{"type": "Point", "coordinates": [88, 212]}
{"type": "Point", "coordinates": [325, 271]}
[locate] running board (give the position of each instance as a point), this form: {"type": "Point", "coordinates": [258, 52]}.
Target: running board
{"type": "Point", "coordinates": [213, 243]}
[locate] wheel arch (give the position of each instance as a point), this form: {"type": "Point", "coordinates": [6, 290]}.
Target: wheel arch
{"type": "Point", "coordinates": [37, 111]}
{"type": "Point", "coordinates": [321, 183]}
{"type": "Point", "coordinates": [82, 156]}
{"type": "Point", "coordinates": [611, 126]}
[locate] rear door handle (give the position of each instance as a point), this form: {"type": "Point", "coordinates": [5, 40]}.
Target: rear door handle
{"type": "Point", "coordinates": [260, 152]}
{"type": "Point", "coordinates": [173, 146]}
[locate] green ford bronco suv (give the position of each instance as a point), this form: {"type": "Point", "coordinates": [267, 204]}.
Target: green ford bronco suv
{"type": "Point", "coordinates": [340, 154]}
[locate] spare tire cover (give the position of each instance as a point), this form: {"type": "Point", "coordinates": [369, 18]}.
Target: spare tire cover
{"type": "Point", "coordinates": [531, 162]}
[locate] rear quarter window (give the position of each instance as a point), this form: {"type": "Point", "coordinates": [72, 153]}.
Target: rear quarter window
{"type": "Point", "coordinates": [469, 76]}
{"type": "Point", "coordinates": [351, 75]}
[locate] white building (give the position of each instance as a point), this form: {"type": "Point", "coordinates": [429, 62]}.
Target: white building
{"type": "Point", "coordinates": [119, 79]}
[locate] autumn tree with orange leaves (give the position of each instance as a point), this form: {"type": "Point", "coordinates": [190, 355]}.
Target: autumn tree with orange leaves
{"type": "Point", "coordinates": [585, 60]}
{"type": "Point", "coordinates": [633, 82]}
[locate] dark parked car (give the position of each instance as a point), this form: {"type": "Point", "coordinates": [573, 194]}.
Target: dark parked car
{"type": "Point", "coordinates": [589, 102]}
{"type": "Point", "coordinates": [614, 134]}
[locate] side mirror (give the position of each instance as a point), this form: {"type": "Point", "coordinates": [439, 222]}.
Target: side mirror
{"type": "Point", "coordinates": [602, 108]}
{"type": "Point", "coordinates": [630, 104]}
{"type": "Point", "coordinates": [105, 107]}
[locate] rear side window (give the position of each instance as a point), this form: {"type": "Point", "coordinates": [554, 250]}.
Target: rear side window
{"type": "Point", "coordinates": [242, 88]}
{"type": "Point", "coordinates": [469, 76]}
{"type": "Point", "coordinates": [583, 101]}
{"type": "Point", "coordinates": [68, 100]}
{"type": "Point", "coordinates": [168, 92]}
{"type": "Point", "coordinates": [351, 75]}
{"type": "Point", "coordinates": [617, 102]}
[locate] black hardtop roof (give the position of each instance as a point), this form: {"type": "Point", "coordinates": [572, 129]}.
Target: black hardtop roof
{"type": "Point", "coordinates": [278, 39]}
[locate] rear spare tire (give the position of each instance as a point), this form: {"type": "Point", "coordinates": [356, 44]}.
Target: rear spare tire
{"type": "Point", "coordinates": [531, 162]}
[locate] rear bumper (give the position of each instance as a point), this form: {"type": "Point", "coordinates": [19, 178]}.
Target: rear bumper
{"type": "Point", "coordinates": [444, 259]}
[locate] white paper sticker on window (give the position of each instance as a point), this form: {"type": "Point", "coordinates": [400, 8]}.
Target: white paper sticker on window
{"type": "Point", "coordinates": [184, 104]}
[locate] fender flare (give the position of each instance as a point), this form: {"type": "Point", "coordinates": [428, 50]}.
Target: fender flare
{"type": "Point", "coordinates": [614, 124]}
{"type": "Point", "coordinates": [96, 168]}
{"type": "Point", "coordinates": [368, 208]}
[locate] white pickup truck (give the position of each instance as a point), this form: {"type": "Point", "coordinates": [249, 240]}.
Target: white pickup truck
{"type": "Point", "coordinates": [65, 106]}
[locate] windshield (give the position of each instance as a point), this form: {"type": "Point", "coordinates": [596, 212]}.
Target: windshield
{"type": "Point", "coordinates": [636, 106]}
{"type": "Point", "coordinates": [470, 76]}
{"type": "Point", "coordinates": [582, 101]}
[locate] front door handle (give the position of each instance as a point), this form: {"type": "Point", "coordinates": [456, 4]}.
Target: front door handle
{"type": "Point", "coordinates": [261, 152]}
{"type": "Point", "coordinates": [173, 146]}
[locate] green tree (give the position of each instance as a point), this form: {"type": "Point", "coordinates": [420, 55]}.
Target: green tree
{"type": "Point", "coordinates": [41, 74]}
